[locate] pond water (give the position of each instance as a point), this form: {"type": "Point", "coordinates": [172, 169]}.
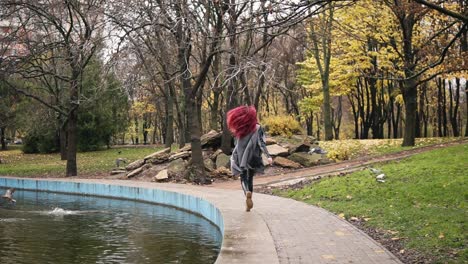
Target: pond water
{"type": "Point", "coordinates": [57, 228]}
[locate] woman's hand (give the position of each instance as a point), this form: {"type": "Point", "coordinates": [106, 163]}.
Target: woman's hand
{"type": "Point", "coordinates": [270, 161]}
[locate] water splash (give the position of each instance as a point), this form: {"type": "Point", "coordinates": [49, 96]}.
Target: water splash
{"type": "Point", "coordinates": [60, 211]}
{"type": "Point", "coordinates": [9, 220]}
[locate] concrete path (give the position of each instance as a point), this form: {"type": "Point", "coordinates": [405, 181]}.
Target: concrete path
{"type": "Point", "coordinates": [277, 230]}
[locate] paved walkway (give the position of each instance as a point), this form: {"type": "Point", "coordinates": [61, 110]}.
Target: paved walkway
{"type": "Point", "coordinates": [277, 230]}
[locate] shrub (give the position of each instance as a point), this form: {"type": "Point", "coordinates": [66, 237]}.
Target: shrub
{"type": "Point", "coordinates": [342, 149]}
{"type": "Point", "coordinates": [282, 126]}
{"type": "Point", "coordinates": [40, 140]}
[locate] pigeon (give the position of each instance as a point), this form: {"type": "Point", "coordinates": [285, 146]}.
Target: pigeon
{"type": "Point", "coordinates": [375, 171]}
{"type": "Point", "coordinates": [9, 195]}
{"type": "Point", "coordinates": [380, 176]}
{"type": "Point", "coordinates": [317, 150]}
{"type": "Point", "coordinates": [120, 160]}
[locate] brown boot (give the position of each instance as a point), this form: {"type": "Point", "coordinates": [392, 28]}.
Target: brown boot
{"type": "Point", "coordinates": [248, 201]}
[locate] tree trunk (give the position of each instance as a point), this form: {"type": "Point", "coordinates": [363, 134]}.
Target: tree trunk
{"type": "Point", "coordinates": [421, 115]}
{"type": "Point", "coordinates": [169, 137]}
{"type": "Point", "coordinates": [317, 117]}
{"type": "Point", "coordinates": [146, 126]}
{"type": "Point", "coordinates": [310, 124]}
{"type": "Point", "coordinates": [410, 94]}
{"type": "Point", "coordinates": [180, 118]}
{"type": "Point", "coordinates": [327, 112]}
{"type": "Point", "coordinates": [63, 141]}
{"type": "Point", "coordinates": [355, 116]}
{"type": "Point", "coordinates": [337, 115]}
{"type": "Point", "coordinates": [2, 138]}
{"type": "Point", "coordinates": [231, 89]}
{"type": "Point", "coordinates": [439, 107]}
{"type": "Point", "coordinates": [454, 104]}
{"type": "Point", "coordinates": [444, 109]}
{"type": "Point", "coordinates": [195, 134]}
{"type": "Point", "coordinates": [72, 169]}
{"type": "Point", "coordinates": [137, 131]}
{"type": "Point", "coordinates": [214, 117]}
{"type": "Point", "coordinates": [322, 56]}
{"type": "Point", "coordinates": [231, 102]}
{"type": "Point", "coordinates": [396, 121]}
{"type": "Point", "coordinates": [466, 100]}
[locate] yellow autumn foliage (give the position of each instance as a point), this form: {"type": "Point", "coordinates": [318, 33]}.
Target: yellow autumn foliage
{"type": "Point", "coordinates": [282, 125]}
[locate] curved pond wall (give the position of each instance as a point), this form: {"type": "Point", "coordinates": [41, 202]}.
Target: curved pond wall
{"type": "Point", "coordinates": [183, 201]}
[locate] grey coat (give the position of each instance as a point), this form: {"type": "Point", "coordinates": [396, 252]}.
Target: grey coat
{"type": "Point", "coordinates": [246, 150]}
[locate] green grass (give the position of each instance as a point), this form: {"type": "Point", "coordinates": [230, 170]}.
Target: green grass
{"type": "Point", "coordinates": [15, 163]}
{"type": "Point", "coordinates": [352, 148]}
{"type": "Point", "coordinates": [423, 201]}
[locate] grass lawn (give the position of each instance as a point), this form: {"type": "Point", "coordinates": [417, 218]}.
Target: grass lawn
{"type": "Point", "coordinates": [15, 163]}
{"type": "Point", "coordinates": [352, 148]}
{"type": "Point", "coordinates": [423, 201]}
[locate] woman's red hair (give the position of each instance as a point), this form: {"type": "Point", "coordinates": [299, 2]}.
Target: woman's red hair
{"type": "Point", "coordinates": [242, 120]}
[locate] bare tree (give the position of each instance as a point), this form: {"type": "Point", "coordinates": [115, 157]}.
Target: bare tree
{"type": "Point", "coordinates": [53, 31]}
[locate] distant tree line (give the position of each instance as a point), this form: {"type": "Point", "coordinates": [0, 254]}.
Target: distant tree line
{"type": "Point", "coordinates": [94, 73]}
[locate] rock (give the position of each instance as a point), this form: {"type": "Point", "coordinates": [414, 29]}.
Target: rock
{"type": "Point", "coordinates": [211, 139]}
{"type": "Point", "coordinates": [277, 150]}
{"type": "Point", "coordinates": [303, 147]}
{"type": "Point", "coordinates": [134, 173]}
{"type": "Point", "coordinates": [265, 160]}
{"type": "Point", "coordinates": [114, 172]}
{"type": "Point", "coordinates": [306, 139]}
{"type": "Point", "coordinates": [209, 165]}
{"type": "Point", "coordinates": [305, 159]}
{"type": "Point", "coordinates": [180, 155]}
{"type": "Point", "coordinates": [270, 141]}
{"type": "Point", "coordinates": [136, 164]}
{"type": "Point", "coordinates": [286, 163]}
{"type": "Point", "coordinates": [153, 170]}
{"type": "Point", "coordinates": [159, 159]}
{"type": "Point", "coordinates": [215, 154]}
{"type": "Point", "coordinates": [221, 172]}
{"type": "Point", "coordinates": [187, 147]}
{"type": "Point", "coordinates": [223, 160]}
{"type": "Point", "coordinates": [176, 167]}
{"type": "Point", "coordinates": [158, 154]}
{"type": "Point", "coordinates": [162, 175]}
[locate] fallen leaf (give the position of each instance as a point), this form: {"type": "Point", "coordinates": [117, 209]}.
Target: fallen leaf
{"type": "Point", "coordinates": [402, 251]}
{"type": "Point", "coordinates": [342, 216]}
{"type": "Point", "coordinates": [441, 236]}
{"type": "Point", "coordinates": [349, 197]}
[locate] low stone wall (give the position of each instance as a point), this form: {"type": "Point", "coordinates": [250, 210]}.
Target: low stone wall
{"type": "Point", "coordinates": [186, 202]}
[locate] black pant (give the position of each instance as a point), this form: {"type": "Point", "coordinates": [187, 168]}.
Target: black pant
{"type": "Point", "coordinates": [247, 180]}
